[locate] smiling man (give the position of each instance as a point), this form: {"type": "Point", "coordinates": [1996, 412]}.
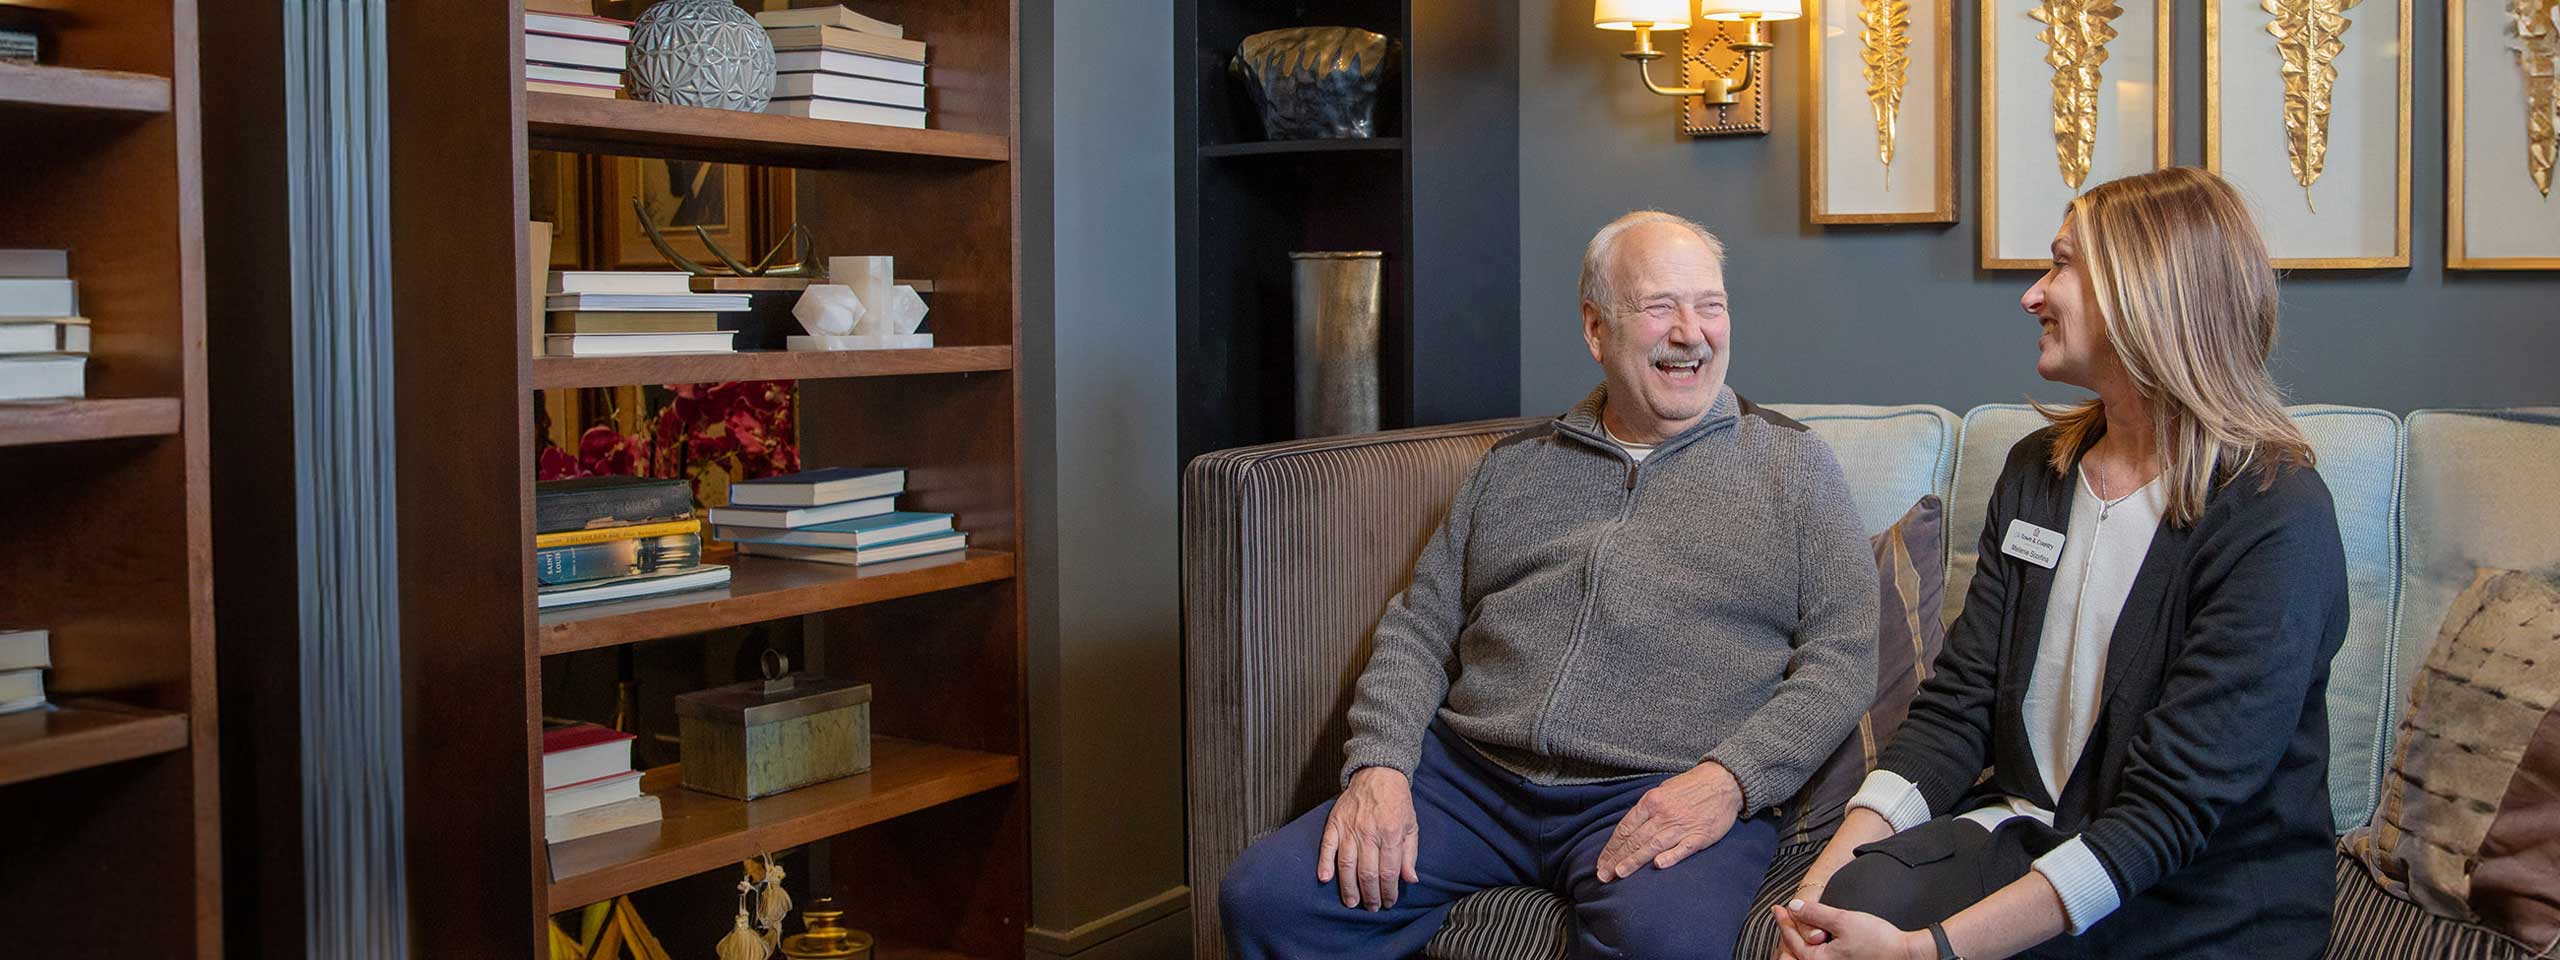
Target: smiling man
{"type": "Point", "coordinates": [1635, 635]}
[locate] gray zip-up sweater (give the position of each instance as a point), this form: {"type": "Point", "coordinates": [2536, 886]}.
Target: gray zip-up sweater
{"type": "Point", "coordinates": [1583, 616]}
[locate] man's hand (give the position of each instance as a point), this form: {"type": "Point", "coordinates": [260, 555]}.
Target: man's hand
{"type": "Point", "coordinates": [1370, 840]}
{"type": "Point", "coordinates": [1682, 816]}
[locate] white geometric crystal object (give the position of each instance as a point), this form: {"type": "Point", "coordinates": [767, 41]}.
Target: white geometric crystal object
{"type": "Point", "coordinates": [870, 277]}
{"type": "Point", "coordinates": [906, 310]}
{"type": "Point", "coordinates": [828, 309]}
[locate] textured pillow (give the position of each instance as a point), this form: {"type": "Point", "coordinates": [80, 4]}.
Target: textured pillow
{"type": "Point", "coordinates": [1910, 584]}
{"type": "Point", "coordinates": [2469, 823]}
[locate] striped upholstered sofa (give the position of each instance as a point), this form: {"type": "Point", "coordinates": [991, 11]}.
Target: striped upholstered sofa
{"type": "Point", "coordinates": [1292, 549]}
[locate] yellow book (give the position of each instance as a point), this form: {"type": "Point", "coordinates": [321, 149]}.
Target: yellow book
{"type": "Point", "coordinates": [571, 538]}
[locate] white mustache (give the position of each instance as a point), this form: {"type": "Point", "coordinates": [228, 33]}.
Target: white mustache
{"type": "Point", "coordinates": [1669, 356]}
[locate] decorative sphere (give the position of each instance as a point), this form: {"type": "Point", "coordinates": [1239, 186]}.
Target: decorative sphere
{"type": "Point", "coordinates": [701, 53]}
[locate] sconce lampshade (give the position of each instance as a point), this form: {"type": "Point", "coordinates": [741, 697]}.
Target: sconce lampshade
{"type": "Point", "coordinates": [1658, 14]}
{"type": "Point", "coordinates": [1747, 9]}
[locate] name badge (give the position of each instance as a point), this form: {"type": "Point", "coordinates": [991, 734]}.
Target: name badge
{"type": "Point", "coordinates": [2033, 544]}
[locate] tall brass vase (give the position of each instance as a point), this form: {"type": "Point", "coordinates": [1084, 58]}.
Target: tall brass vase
{"type": "Point", "coordinates": [1337, 295]}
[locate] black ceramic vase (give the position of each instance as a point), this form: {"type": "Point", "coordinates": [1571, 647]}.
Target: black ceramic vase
{"type": "Point", "coordinates": [1314, 83]}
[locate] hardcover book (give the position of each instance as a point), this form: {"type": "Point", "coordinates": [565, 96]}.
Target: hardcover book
{"type": "Point", "coordinates": [43, 376]}
{"type": "Point", "coordinates": [884, 529]}
{"type": "Point", "coordinates": [839, 38]}
{"type": "Point", "coordinates": [846, 111]}
{"type": "Point", "coordinates": [624, 588]}
{"type": "Point", "coordinates": [835, 16]}
{"type": "Point", "coordinates": [35, 264]}
{"type": "Point", "coordinates": [579, 752]}
{"type": "Point", "coordinates": [25, 649]}
{"type": "Point", "coordinates": [586, 503]}
{"type": "Point", "coordinates": [616, 558]}
{"type": "Point", "coordinates": [57, 335]}
{"type": "Point", "coordinates": [783, 518]}
{"type": "Point", "coordinates": [901, 550]}
{"type": "Point", "coordinates": [847, 63]}
{"type": "Point", "coordinates": [45, 298]}
{"type": "Point", "coordinates": [813, 487]}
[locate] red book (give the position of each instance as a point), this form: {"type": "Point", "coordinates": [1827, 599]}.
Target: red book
{"type": "Point", "coordinates": [580, 752]}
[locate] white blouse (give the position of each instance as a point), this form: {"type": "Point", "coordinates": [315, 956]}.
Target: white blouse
{"type": "Point", "coordinates": [2102, 551]}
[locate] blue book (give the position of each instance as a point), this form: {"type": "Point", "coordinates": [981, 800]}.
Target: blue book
{"type": "Point", "coordinates": [884, 529]}
{"type": "Point", "coordinates": [810, 488]}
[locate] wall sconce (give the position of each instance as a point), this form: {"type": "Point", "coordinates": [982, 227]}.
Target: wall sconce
{"type": "Point", "coordinates": [1646, 16]}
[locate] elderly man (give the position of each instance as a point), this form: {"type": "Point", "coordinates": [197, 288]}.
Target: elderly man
{"type": "Point", "coordinates": [1636, 634]}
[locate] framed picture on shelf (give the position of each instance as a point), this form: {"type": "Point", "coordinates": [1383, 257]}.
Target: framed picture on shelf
{"type": "Point", "coordinates": [556, 194]}
{"type": "Point", "coordinates": [2502, 132]}
{"type": "Point", "coordinates": [1882, 135]}
{"type": "Point", "coordinates": [2307, 113]}
{"type": "Point", "coordinates": [2049, 132]}
{"type": "Point", "coordinates": [724, 199]}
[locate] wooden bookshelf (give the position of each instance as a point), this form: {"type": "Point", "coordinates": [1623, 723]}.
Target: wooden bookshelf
{"type": "Point", "coordinates": [555, 373]}
{"type": "Point", "coordinates": [108, 503]}
{"type": "Point", "coordinates": [43, 743]}
{"type": "Point", "coordinates": [940, 640]}
{"type": "Point", "coordinates": [72, 88]}
{"type": "Point", "coordinates": [702, 831]}
{"type": "Point", "coordinates": [72, 421]}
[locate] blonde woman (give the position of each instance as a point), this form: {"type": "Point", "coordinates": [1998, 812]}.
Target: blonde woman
{"type": "Point", "coordinates": [2144, 651]}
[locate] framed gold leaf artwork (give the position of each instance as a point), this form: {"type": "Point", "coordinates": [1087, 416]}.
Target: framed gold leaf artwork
{"type": "Point", "coordinates": [2074, 93]}
{"type": "Point", "coordinates": [2502, 124]}
{"type": "Point", "coordinates": [2306, 111]}
{"type": "Point", "coordinates": [1880, 145]}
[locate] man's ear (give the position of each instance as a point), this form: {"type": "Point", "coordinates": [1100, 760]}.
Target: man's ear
{"type": "Point", "coordinates": [1594, 323]}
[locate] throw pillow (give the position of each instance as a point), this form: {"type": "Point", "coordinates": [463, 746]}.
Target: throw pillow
{"type": "Point", "coordinates": [1911, 580]}
{"type": "Point", "coordinates": [2469, 821]}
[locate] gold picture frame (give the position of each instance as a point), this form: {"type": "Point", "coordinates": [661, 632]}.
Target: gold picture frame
{"type": "Point", "coordinates": [2279, 196]}
{"type": "Point", "coordinates": [1941, 96]}
{"type": "Point", "coordinates": [1706, 51]}
{"type": "Point", "coordinates": [556, 193]}
{"type": "Point", "coordinates": [2516, 182]}
{"type": "Point", "coordinates": [728, 200]}
{"type": "Point", "coordinates": [1991, 13]}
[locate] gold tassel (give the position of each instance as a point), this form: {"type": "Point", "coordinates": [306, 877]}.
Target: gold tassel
{"type": "Point", "coordinates": [742, 942]}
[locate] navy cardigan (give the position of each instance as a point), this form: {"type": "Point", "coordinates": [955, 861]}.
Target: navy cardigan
{"type": "Point", "coordinates": [2204, 787]}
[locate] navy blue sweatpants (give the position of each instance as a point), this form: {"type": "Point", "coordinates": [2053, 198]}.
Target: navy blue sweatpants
{"type": "Point", "coordinates": [1483, 826]}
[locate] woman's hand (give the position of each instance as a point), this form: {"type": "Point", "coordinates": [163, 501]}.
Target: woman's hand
{"type": "Point", "coordinates": [1852, 935]}
{"type": "Point", "coordinates": [1861, 827]}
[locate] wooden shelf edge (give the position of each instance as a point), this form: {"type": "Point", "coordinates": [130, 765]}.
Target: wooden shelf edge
{"type": "Point", "coordinates": [73, 88]}
{"type": "Point", "coordinates": [556, 121]}
{"type": "Point", "coordinates": [72, 421]}
{"type": "Point", "coordinates": [765, 588]}
{"type": "Point", "coordinates": [920, 775]}
{"type": "Point", "coordinates": [558, 373]}
{"type": "Point", "coordinates": [82, 734]}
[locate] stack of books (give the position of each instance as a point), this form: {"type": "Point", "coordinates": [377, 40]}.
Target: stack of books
{"type": "Point", "coordinates": [568, 50]}
{"type": "Point", "coordinates": [588, 786]}
{"type": "Point", "coordinates": [618, 313]}
{"type": "Point", "coordinates": [24, 656]}
{"type": "Point", "coordinates": [834, 64]}
{"type": "Point", "coordinates": [836, 515]}
{"type": "Point", "coordinates": [614, 538]}
{"type": "Point", "coordinates": [44, 342]}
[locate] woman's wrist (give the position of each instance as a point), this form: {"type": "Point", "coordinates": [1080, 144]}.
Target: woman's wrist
{"type": "Point", "coordinates": [1919, 945]}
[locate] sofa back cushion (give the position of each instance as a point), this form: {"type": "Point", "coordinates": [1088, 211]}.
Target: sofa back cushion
{"type": "Point", "coordinates": [1893, 456]}
{"type": "Point", "coordinates": [2479, 495]}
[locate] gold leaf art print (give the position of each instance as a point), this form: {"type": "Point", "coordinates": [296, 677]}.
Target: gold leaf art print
{"type": "Point", "coordinates": [2308, 40]}
{"type": "Point", "coordinates": [2535, 28]}
{"type": "Point", "coordinates": [1887, 37]}
{"type": "Point", "coordinates": [2075, 35]}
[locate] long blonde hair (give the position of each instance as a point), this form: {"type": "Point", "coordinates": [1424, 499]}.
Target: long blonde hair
{"type": "Point", "coordinates": [2189, 299]}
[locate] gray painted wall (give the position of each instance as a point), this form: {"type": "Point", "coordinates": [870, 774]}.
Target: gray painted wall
{"type": "Point", "coordinates": [1900, 314]}
{"type": "Point", "coordinates": [1102, 512]}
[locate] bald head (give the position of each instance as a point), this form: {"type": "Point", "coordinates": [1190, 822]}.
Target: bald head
{"type": "Point", "coordinates": [1600, 259]}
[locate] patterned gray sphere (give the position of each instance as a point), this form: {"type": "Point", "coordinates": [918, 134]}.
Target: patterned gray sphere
{"type": "Point", "coordinates": [701, 53]}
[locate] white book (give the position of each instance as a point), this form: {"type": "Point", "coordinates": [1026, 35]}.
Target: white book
{"type": "Point", "coordinates": [835, 16]}
{"type": "Point", "coordinates": [59, 335]}
{"type": "Point", "coordinates": [787, 518]}
{"type": "Point", "coordinates": [570, 25]}
{"type": "Point", "coordinates": [624, 588]}
{"type": "Point", "coordinates": [44, 376]}
{"type": "Point", "coordinates": [636, 344]}
{"type": "Point", "coordinates": [21, 684]}
{"type": "Point", "coordinates": [20, 705]}
{"type": "Point", "coordinates": [580, 76]}
{"type": "Point", "coordinates": [836, 87]}
{"type": "Point", "coordinates": [622, 281]}
{"type": "Point", "coordinates": [25, 649]}
{"type": "Point", "coordinates": [624, 302]}
{"type": "Point", "coordinates": [47, 298]}
{"type": "Point", "coordinates": [571, 89]}
{"type": "Point", "coordinates": [589, 794]}
{"type": "Point", "coordinates": [862, 341]}
{"type": "Point", "coordinates": [35, 264]}
{"type": "Point", "coordinates": [848, 63]}
{"type": "Point", "coordinates": [847, 111]}
{"type": "Point", "coordinates": [573, 52]}
{"type": "Point", "coordinates": [882, 554]}
{"type": "Point", "coordinates": [638, 811]}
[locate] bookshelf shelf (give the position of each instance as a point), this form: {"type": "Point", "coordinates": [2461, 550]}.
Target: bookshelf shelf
{"type": "Point", "coordinates": [553, 373]}
{"type": "Point", "coordinates": [637, 128]}
{"type": "Point", "coordinates": [72, 421]}
{"type": "Point", "coordinates": [73, 88]}
{"type": "Point", "coordinates": [761, 589]}
{"type": "Point", "coordinates": [44, 743]}
{"type": "Point", "coordinates": [1270, 148]}
{"type": "Point", "coordinates": [702, 832]}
